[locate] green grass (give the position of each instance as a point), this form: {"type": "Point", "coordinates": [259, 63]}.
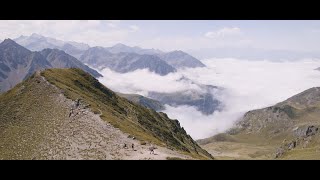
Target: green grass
{"type": "Point", "coordinates": [303, 154]}
{"type": "Point", "coordinates": [23, 119]}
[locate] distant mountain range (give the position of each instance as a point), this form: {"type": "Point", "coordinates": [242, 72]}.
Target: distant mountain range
{"type": "Point", "coordinates": [120, 58]}
{"type": "Point", "coordinates": [37, 42]}
{"type": "Point", "coordinates": [177, 59]}
{"type": "Point", "coordinates": [118, 48]}
{"type": "Point", "coordinates": [124, 62]}
{"type": "Point", "coordinates": [180, 59]}
{"type": "Point", "coordinates": [17, 63]}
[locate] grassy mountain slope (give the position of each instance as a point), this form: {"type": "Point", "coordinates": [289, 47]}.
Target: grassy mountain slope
{"type": "Point", "coordinates": [33, 113]}
{"type": "Point", "coordinates": [288, 130]}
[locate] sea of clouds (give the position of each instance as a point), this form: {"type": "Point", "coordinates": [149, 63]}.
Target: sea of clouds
{"type": "Point", "coordinates": [247, 85]}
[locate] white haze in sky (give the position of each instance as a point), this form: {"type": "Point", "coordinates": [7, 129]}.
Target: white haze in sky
{"type": "Point", "coordinates": [248, 85]}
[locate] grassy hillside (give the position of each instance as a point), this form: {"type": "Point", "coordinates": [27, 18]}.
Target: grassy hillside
{"type": "Point", "coordinates": [145, 124]}
{"type": "Point", "coordinates": [33, 113]}
{"type": "Point", "coordinates": [288, 130]}
{"type": "Point", "coordinates": [28, 113]}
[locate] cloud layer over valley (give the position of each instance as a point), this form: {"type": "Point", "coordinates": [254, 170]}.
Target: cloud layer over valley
{"type": "Point", "coordinates": [247, 85]}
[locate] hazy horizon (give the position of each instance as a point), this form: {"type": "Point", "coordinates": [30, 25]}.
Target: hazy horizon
{"type": "Point", "coordinates": [299, 36]}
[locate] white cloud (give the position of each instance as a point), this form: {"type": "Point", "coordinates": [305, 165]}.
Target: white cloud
{"type": "Point", "coordinates": [248, 85]}
{"type": "Point", "coordinates": [201, 126]}
{"type": "Point", "coordinates": [142, 81]}
{"type": "Point", "coordinates": [224, 32]}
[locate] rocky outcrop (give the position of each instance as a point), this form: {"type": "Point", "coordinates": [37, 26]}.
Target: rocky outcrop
{"type": "Point", "coordinates": [303, 137]}
{"type": "Point", "coordinates": [305, 131]}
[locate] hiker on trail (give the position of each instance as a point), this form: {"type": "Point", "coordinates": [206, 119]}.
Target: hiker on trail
{"type": "Point", "coordinates": [152, 149]}
{"type": "Point", "coordinates": [71, 112]}
{"type": "Point", "coordinates": [132, 146]}
{"type": "Point", "coordinates": [125, 146]}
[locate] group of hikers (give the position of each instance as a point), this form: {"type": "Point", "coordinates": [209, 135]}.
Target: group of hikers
{"type": "Point", "coordinates": [126, 147]}
{"type": "Point", "coordinates": [151, 149]}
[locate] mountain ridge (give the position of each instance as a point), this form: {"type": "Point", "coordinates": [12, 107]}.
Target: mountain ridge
{"type": "Point", "coordinates": [165, 62]}
{"type": "Point", "coordinates": [17, 63]}
{"type": "Point", "coordinates": [60, 59]}
{"type": "Point", "coordinates": [85, 95]}
{"type": "Point", "coordinates": [101, 58]}
{"type": "Point", "coordinates": [180, 59]}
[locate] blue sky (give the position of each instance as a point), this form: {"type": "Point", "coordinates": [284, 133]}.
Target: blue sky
{"type": "Point", "coordinates": [183, 35]}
